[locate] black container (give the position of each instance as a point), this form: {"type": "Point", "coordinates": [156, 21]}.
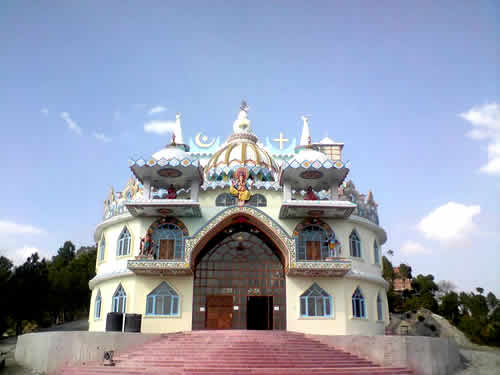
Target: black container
{"type": "Point", "coordinates": [133, 322]}
{"type": "Point", "coordinates": [114, 322]}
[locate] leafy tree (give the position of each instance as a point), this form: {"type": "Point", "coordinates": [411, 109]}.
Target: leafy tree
{"type": "Point", "coordinates": [388, 270]}
{"type": "Point", "coordinates": [5, 275]}
{"type": "Point", "coordinates": [30, 283]}
{"type": "Point", "coordinates": [449, 307]}
{"type": "Point", "coordinates": [492, 301]}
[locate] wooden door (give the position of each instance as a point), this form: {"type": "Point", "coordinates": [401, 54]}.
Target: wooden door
{"type": "Point", "coordinates": [219, 312]}
{"type": "Point", "coordinates": [313, 249]}
{"type": "Point", "coordinates": [166, 249]}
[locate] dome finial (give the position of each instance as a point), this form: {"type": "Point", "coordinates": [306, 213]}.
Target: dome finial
{"type": "Point", "coordinates": [305, 138]}
{"type": "Point", "coordinates": [242, 123]}
{"type": "Point", "coordinates": [178, 130]}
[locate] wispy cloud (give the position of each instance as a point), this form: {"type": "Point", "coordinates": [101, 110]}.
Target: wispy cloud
{"type": "Point", "coordinates": [44, 111]}
{"type": "Point", "coordinates": [20, 255]}
{"type": "Point", "coordinates": [450, 222]}
{"type": "Point", "coordinates": [160, 127]}
{"type": "Point", "coordinates": [157, 109]}
{"type": "Point", "coordinates": [72, 125]}
{"type": "Point", "coordinates": [101, 137]}
{"type": "Point", "coordinates": [413, 248]}
{"type": "Point", "coordinates": [485, 122]}
{"type": "Point", "coordinates": [11, 228]}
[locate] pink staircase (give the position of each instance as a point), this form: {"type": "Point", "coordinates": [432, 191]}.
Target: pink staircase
{"type": "Point", "coordinates": [235, 352]}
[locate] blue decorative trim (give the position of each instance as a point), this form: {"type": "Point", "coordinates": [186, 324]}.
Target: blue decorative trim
{"type": "Point", "coordinates": [141, 162]}
{"type": "Point", "coordinates": [257, 185]}
{"type": "Point", "coordinates": [313, 164]}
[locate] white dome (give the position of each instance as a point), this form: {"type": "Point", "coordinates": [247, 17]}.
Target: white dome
{"type": "Point", "coordinates": [310, 155]}
{"type": "Point", "coordinates": [171, 152]}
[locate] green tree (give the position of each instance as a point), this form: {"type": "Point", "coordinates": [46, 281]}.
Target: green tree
{"type": "Point", "coordinates": [388, 270]}
{"type": "Point", "coordinates": [449, 307]}
{"type": "Point", "coordinates": [5, 275]}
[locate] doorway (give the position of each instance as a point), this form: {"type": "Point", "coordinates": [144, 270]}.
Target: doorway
{"type": "Point", "coordinates": [260, 312]}
{"type": "Point", "coordinates": [219, 312]}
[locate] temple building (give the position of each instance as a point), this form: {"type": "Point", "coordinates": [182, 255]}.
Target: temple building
{"type": "Point", "coordinates": [241, 234]}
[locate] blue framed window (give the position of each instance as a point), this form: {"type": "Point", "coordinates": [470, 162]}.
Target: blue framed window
{"type": "Point", "coordinates": [355, 244]}
{"type": "Point", "coordinates": [168, 242]}
{"type": "Point", "coordinates": [376, 252]}
{"type": "Point", "coordinates": [225, 200]}
{"type": "Point", "coordinates": [312, 243]}
{"type": "Point", "coordinates": [358, 304]}
{"type": "Point", "coordinates": [163, 301]}
{"type": "Point", "coordinates": [315, 302]}
{"type": "Point", "coordinates": [124, 240]}
{"type": "Point", "coordinates": [119, 300]}
{"type": "Point", "coordinates": [257, 200]}
{"type": "Point", "coordinates": [97, 305]}
{"type": "Point", "coordinates": [102, 248]}
{"type": "Point", "coordinates": [380, 311]}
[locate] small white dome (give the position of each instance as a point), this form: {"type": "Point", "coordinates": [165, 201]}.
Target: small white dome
{"type": "Point", "coordinates": [327, 141]}
{"type": "Point", "coordinates": [309, 155]}
{"type": "Point", "coordinates": [172, 152]}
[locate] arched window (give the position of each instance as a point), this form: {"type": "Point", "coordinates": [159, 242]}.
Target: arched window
{"type": "Point", "coordinates": [225, 200]}
{"type": "Point", "coordinates": [102, 248]}
{"type": "Point", "coordinates": [257, 200]}
{"type": "Point", "coordinates": [355, 244]}
{"type": "Point", "coordinates": [358, 304]}
{"type": "Point", "coordinates": [380, 314]}
{"type": "Point", "coordinates": [315, 302]}
{"type": "Point", "coordinates": [119, 300]}
{"type": "Point", "coordinates": [312, 243]}
{"type": "Point", "coordinates": [97, 305]}
{"type": "Point", "coordinates": [162, 301]}
{"type": "Point", "coordinates": [376, 252]}
{"type": "Point", "coordinates": [124, 240]}
{"type": "Point", "coordinates": [168, 242]}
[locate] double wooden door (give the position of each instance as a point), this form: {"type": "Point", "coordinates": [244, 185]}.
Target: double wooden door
{"type": "Point", "coordinates": [219, 312]}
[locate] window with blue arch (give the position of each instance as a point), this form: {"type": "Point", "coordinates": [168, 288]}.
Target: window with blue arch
{"type": "Point", "coordinates": [380, 311]}
{"type": "Point", "coordinates": [168, 242]}
{"type": "Point", "coordinates": [123, 246]}
{"type": "Point", "coordinates": [315, 302]}
{"type": "Point", "coordinates": [97, 305]}
{"type": "Point", "coordinates": [102, 247]}
{"type": "Point", "coordinates": [163, 301]}
{"type": "Point", "coordinates": [119, 300]}
{"type": "Point", "coordinates": [312, 243]}
{"type": "Point", "coordinates": [358, 304]}
{"type": "Point", "coordinates": [355, 244]}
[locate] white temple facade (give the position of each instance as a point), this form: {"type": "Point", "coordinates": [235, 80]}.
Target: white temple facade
{"type": "Point", "coordinates": [241, 234]}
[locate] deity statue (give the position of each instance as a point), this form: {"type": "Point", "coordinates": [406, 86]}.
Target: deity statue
{"type": "Point", "coordinates": [310, 195]}
{"type": "Point", "coordinates": [171, 192]}
{"type": "Point", "coordinates": [240, 187]}
{"type": "Point", "coordinates": [146, 246]}
{"type": "Point", "coordinates": [334, 247]}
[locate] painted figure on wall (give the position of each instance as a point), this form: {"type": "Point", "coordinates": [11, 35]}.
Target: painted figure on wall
{"type": "Point", "coordinates": [240, 187]}
{"type": "Point", "coordinates": [171, 192]}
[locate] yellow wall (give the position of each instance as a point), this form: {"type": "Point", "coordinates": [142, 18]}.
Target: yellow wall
{"type": "Point", "coordinates": [137, 289]}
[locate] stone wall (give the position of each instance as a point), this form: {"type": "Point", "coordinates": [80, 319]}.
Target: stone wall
{"type": "Point", "coordinates": [47, 351]}
{"type": "Point", "coordinates": [423, 355]}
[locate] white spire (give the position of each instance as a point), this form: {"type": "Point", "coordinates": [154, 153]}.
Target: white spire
{"type": "Point", "coordinates": [305, 138]}
{"type": "Point", "coordinates": [242, 123]}
{"type": "Point", "coordinates": [178, 130]}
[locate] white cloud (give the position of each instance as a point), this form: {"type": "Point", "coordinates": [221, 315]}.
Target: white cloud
{"type": "Point", "coordinates": [485, 121]}
{"type": "Point", "coordinates": [73, 126]}
{"type": "Point", "coordinates": [160, 127]}
{"type": "Point", "coordinates": [449, 222]}
{"type": "Point", "coordinates": [11, 228]}
{"type": "Point", "coordinates": [157, 109]}
{"type": "Point", "coordinates": [101, 137]}
{"type": "Point", "coordinates": [19, 256]}
{"type": "Point", "coordinates": [44, 111]}
{"type": "Point", "coordinates": [412, 248]}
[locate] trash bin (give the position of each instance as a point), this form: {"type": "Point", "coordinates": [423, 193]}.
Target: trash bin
{"type": "Point", "coordinates": [133, 322]}
{"type": "Point", "coordinates": [114, 322]}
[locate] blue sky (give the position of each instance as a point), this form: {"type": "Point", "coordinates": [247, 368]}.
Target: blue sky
{"type": "Point", "coordinates": [411, 89]}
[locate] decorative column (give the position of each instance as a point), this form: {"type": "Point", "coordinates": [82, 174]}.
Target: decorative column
{"type": "Point", "coordinates": [195, 189]}
{"type": "Point", "coordinates": [147, 189]}
{"type": "Point", "coordinates": [334, 193]}
{"type": "Point", "coordinates": [287, 191]}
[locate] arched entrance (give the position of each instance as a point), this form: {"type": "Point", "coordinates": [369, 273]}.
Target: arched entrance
{"type": "Point", "coordinates": [239, 281]}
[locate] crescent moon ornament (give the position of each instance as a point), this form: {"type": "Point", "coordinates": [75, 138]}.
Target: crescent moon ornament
{"type": "Point", "coordinates": [200, 141]}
